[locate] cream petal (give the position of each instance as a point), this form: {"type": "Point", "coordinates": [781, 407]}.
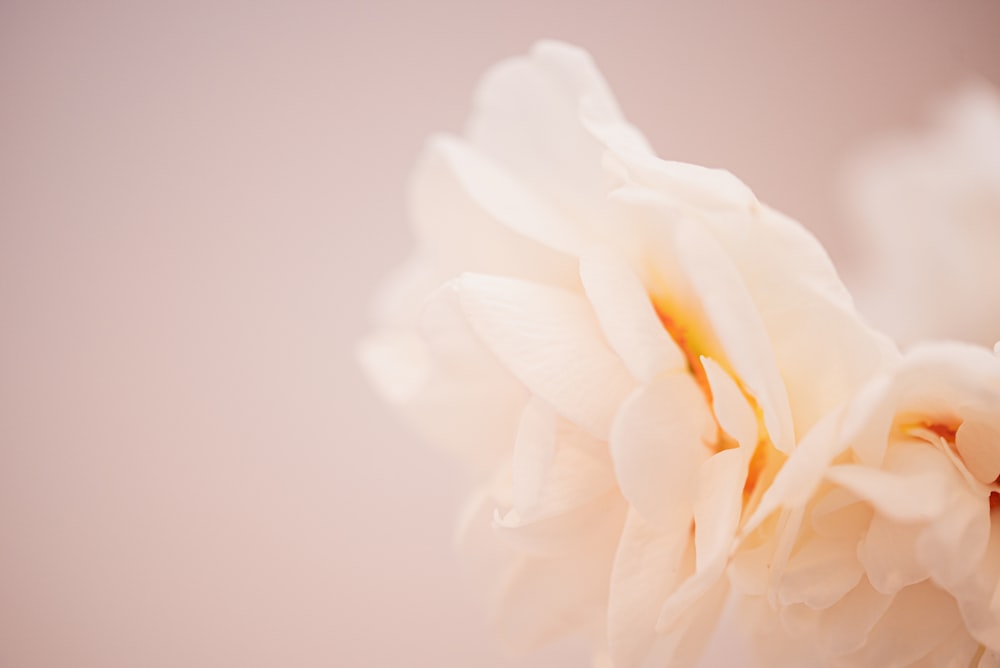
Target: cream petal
{"type": "Point", "coordinates": [627, 317]}
{"type": "Point", "coordinates": [642, 226]}
{"type": "Point", "coordinates": [544, 598]}
{"type": "Point", "coordinates": [578, 529]}
{"type": "Point", "coordinates": [952, 546]}
{"type": "Point", "coordinates": [557, 467]}
{"type": "Point", "coordinates": [464, 403]}
{"type": "Point", "coordinates": [889, 556]}
{"type": "Point", "coordinates": [657, 446]}
{"type": "Point", "coordinates": [397, 362]}
{"type": "Point", "coordinates": [820, 573]}
{"type": "Point", "coordinates": [697, 627]}
{"type": "Point", "coordinates": [841, 515]}
{"type": "Point", "coordinates": [505, 200]}
{"type": "Point", "coordinates": [919, 619]}
{"type": "Point", "coordinates": [979, 597]}
{"type": "Point", "coordinates": [698, 187]}
{"type": "Point", "coordinates": [738, 328]}
{"type": "Point", "coordinates": [733, 413]}
{"type": "Point", "coordinates": [822, 347]}
{"type": "Point", "coordinates": [867, 420]}
{"type": "Point", "coordinates": [748, 571]}
{"type": "Point", "coordinates": [772, 644]}
{"type": "Point", "coordinates": [916, 483]}
{"type": "Point", "coordinates": [718, 505]}
{"type": "Point", "coordinates": [400, 297]}
{"type": "Point", "coordinates": [484, 556]}
{"type": "Point", "coordinates": [529, 117]}
{"type": "Point", "coordinates": [956, 651]}
{"type": "Point", "coordinates": [802, 472]}
{"type": "Point", "coordinates": [463, 221]}
{"type": "Point", "coordinates": [979, 445]}
{"type": "Point", "coordinates": [550, 341]}
{"type": "Point", "coordinates": [534, 451]}
{"type": "Point", "coordinates": [716, 514]}
{"type": "Point", "coordinates": [648, 564]}
{"type": "Point", "coordinates": [846, 625]}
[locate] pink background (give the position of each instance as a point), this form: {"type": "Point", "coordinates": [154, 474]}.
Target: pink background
{"type": "Point", "coordinates": [196, 201]}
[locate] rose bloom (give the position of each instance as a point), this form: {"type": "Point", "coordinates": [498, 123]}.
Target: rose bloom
{"type": "Point", "coordinates": [624, 349]}
{"type": "Point", "coordinates": [927, 214]}
{"type": "Point", "coordinates": [888, 518]}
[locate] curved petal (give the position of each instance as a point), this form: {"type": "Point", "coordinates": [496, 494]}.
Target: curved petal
{"type": "Point", "coordinates": [468, 216]}
{"type": "Point", "coordinates": [821, 573]}
{"type": "Point", "coordinates": [506, 200]}
{"type": "Point", "coordinates": [648, 564]}
{"type": "Point", "coordinates": [716, 514]}
{"type": "Point", "coordinates": [557, 467]}
{"type": "Point", "coordinates": [913, 487]}
{"type": "Point", "coordinates": [888, 553]}
{"type": "Point", "coordinates": [657, 444]}
{"type": "Point", "coordinates": [529, 118]}
{"type": "Point", "coordinates": [738, 328]}
{"type": "Point", "coordinates": [549, 339]}
{"type": "Point", "coordinates": [627, 316]}
{"type": "Point", "coordinates": [979, 445]}
{"type": "Point", "coordinates": [928, 616]}
{"type": "Point", "coordinates": [734, 414]}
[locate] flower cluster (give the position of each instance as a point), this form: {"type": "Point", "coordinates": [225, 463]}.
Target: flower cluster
{"type": "Point", "coordinates": [666, 399]}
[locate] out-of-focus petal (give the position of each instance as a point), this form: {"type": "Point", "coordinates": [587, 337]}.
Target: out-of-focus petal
{"type": "Point", "coordinates": [820, 574]}
{"type": "Point", "coordinates": [557, 467]}
{"type": "Point", "coordinates": [469, 217]}
{"type": "Point", "coordinates": [928, 615]}
{"type": "Point", "coordinates": [550, 340]}
{"type": "Point", "coordinates": [529, 117]}
{"type": "Point", "coordinates": [648, 565]}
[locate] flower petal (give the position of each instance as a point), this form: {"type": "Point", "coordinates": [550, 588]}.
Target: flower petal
{"type": "Point", "coordinates": [506, 200]}
{"type": "Point", "coordinates": [979, 444]}
{"type": "Point", "coordinates": [578, 529]}
{"type": "Point", "coordinates": [528, 117]}
{"type": "Point", "coordinates": [889, 556]}
{"type": "Point", "coordinates": [716, 514]}
{"type": "Point", "coordinates": [820, 574]}
{"type": "Point", "coordinates": [658, 443]}
{"type": "Point", "coordinates": [557, 467]}
{"type": "Point", "coordinates": [734, 414]}
{"type": "Point", "coordinates": [627, 316]}
{"type": "Point", "coordinates": [649, 563]}
{"type": "Point", "coordinates": [738, 328]}
{"type": "Point", "coordinates": [550, 341]}
{"type": "Point", "coordinates": [846, 626]}
{"type": "Point", "coordinates": [913, 487]}
{"type": "Point", "coordinates": [466, 221]}
{"type": "Point", "coordinates": [922, 614]}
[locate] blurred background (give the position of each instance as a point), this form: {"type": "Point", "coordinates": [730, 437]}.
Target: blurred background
{"type": "Point", "coordinates": [197, 200]}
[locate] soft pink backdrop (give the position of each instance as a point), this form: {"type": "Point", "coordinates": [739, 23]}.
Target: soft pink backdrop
{"type": "Point", "coordinates": [196, 200]}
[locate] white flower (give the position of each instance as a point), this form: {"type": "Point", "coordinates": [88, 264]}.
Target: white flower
{"type": "Point", "coordinates": [928, 224]}
{"type": "Point", "coordinates": [627, 348]}
{"type": "Point", "coordinates": [889, 518]}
